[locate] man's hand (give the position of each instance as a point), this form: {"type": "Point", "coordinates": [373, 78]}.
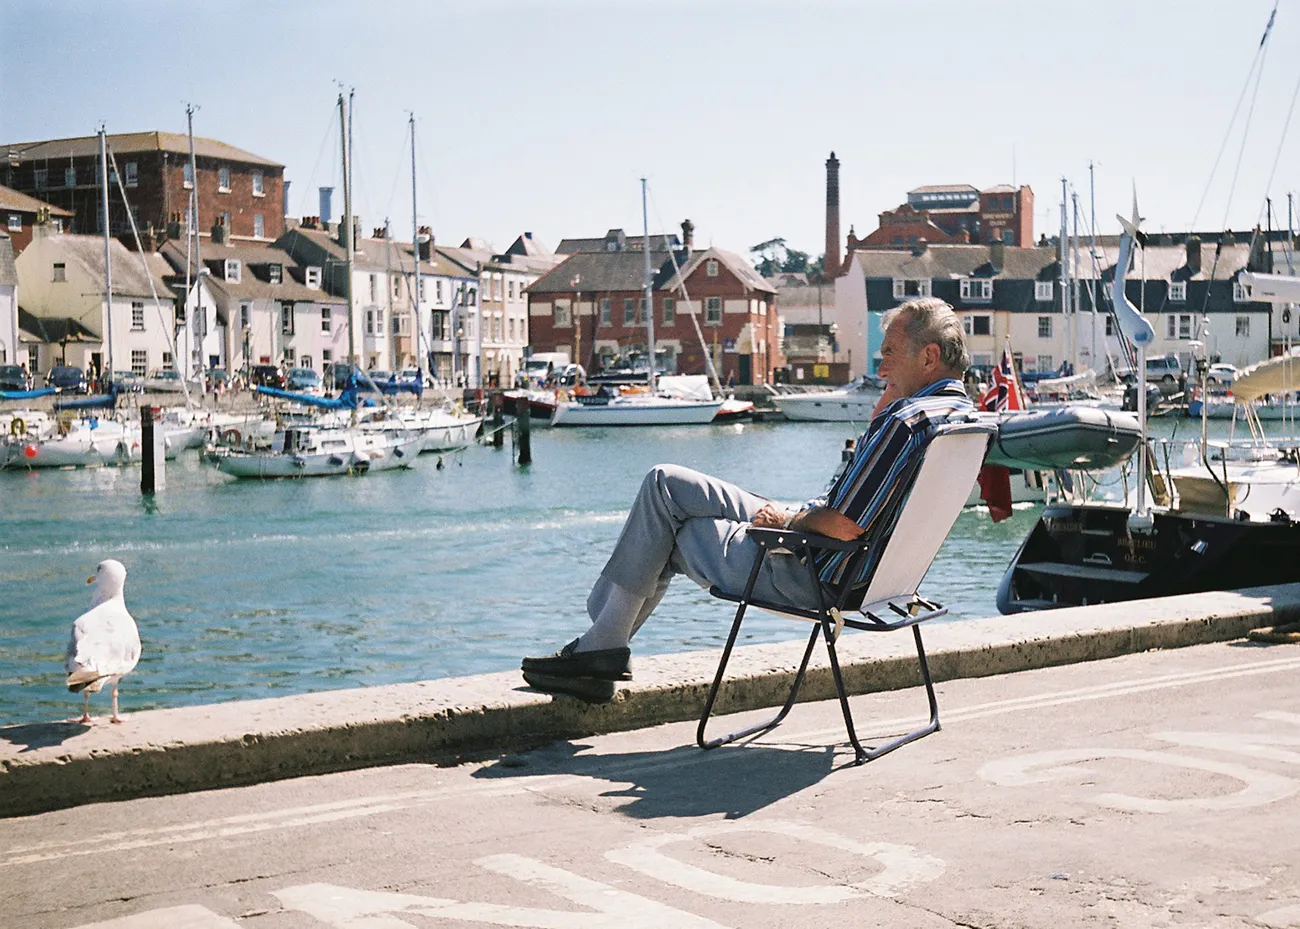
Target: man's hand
{"type": "Point", "coordinates": [825, 521]}
{"type": "Point", "coordinates": [890, 394]}
{"type": "Point", "coordinates": [770, 516]}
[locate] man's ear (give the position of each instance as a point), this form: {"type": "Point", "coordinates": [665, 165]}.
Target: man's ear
{"type": "Point", "coordinates": [932, 354]}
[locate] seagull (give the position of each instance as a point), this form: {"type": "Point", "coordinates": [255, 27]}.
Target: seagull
{"type": "Point", "coordinates": [105, 643]}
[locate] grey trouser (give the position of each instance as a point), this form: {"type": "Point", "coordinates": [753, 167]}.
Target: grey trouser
{"type": "Point", "coordinates": [685, 522]}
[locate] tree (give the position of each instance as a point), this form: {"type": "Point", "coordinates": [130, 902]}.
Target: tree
{"type": "Point", "coordinates": [769, 256]}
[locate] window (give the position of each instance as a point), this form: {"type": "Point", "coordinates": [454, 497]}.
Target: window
{"type": "Point", "coordinates": [911, 288]}
{"type": "Point", "coordinates": [670, 311]}
{"type": "Point", "coordinates": [437, 291]}
{"type": "Point", "coordinates": [1178, 326]}
{"type": "Point", "coordinates": [976, 290]}
{"type": "Point", "coordinates": [290, 356]}
{"type": "Point", "coordinates": [286, 319]}
{"type": "Point", "coordinates": [41, 176]}
{"type": "Point", "coordinates": [187, 173]}
{"type": "Point", "coordinates": [1239, 294]}
{"type": "Point", "coordinates": [374, 287]}
{"type": "Point", "coordinates": [374, 322]}
{"type": "Point", "coordinates": [139, 361]}
{"type": "Point", "coordinates": [15, 222]}
{"type": "Point", "coordinates": [471, 296]}
{"type": "Point", "coordinates": [1110, 324]}
{"type": "Point", "coordinates": [711, 268]}
{"type": "Point", "coordinates": [304, 361]}
{"type": "Point", "coordinates": [69, 177]}
{"type": "Point", "coordinates": [1178, 291]}
{"type": "Point", "coordinates": [180, 313]}
{"type": "Point", "coordinates": [167, 361]}
{"type": "Point", "coordinates": [137, 314]}
{"type": "Point", "coordinates": [132, 174]}
{"type": "Point", "coordinates": [234, 270]}
{"type": "Point", "coordinates": [397, 285]}
{"type": "Point", "coordinates": [1045, 364]}
{"type": "Point", "coordinates": [259, 226]}
{"type": "Point", "coordinates": [424, 288]}
{"type": "Point", "coordinates": [512, 329]}
{"type": "Point", "coordinates": [1243, 325]}
{"type": "Point", "coordinates": [326, 319]}
{"type": "Point", "coordinates": [401, 324]}
{"type": "Point", "coordinates": [275, 273]}
{"type": "Point", "coordinates": [561, 313]}
{"type": "Point", "coordinates": [258, 189]}
{"type": "Point", "coordinates": [1044, 327]}
{"type": "Point", "coordinates": [510, 288]}
{"type": "Point", "coordinates": [1008, 236]}
{"type": "Point", "coordinates": [605, 313]}
{"type": "Point", "coordinates": [326, 356]}
{"type": "Point", "coordinates": [223, 180]}
{"type": "Point", "coordinates": [225, 223]}
{"type": "Point", "coordinates": [1043, 291]}
{"type": "Point", "coordinates": [441, 325]}
{"type": "Point", "coordinates": [313, 277]}
{"type": "Point", "coordinates": [629, 311]}
{"type": "Point", "coordinates": [713, 311]}
{"type": "Point", "coordinates": [245, 312]}
{"type": "Point", "coordinates": [978, 324]}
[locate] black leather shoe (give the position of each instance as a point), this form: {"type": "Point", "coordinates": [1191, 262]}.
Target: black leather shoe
{"type": "Point", "coordinates": [604, 664]}
{"type": "Point", "coordinates": [587, 689]}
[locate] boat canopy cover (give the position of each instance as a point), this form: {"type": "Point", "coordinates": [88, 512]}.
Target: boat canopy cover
{"type": "Point", "coordinates": [685, 386]}
{"type": "Point", "coordinates": [95, 402]}
{"type": "Point", "coordinates": [345, 401]}
{"type": "Point", "coordinates": [27, 394]}
{"type": "Point", "coordinates": [1275, 376]}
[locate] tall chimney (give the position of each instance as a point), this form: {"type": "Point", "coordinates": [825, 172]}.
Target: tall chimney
{"type": "Point", "coordinates": [831, 266]}
{"type": "Point", "coordinates": [688, 234]}
{"type": "Point", "coordinates": [326, 193]}
{"type": "Point", "coordinates": [424, 239]}
{"type": "Point", "coordinates": [1194, 254]}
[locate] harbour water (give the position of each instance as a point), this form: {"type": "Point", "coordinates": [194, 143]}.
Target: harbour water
{"type": "Point", "coordinates": [247, 589]}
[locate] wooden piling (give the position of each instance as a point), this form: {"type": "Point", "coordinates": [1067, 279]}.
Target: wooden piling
{"type": "Point", "coordinates": [523, 418]}
{"type": "Point", "coordinates": [498, 437]}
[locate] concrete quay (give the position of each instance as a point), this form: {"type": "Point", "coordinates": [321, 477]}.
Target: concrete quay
{"type": "Point", "coordinates": [49, 766]}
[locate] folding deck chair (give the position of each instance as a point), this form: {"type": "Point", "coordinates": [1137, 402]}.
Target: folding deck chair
{"type": "Point", "coordinates": [940, 482]}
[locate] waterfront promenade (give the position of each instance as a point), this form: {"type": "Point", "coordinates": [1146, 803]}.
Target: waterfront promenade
{"type": "Point", "coordinates": [1090, 771]}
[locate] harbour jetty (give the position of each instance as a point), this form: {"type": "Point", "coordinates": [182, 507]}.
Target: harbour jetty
{"type": "Point", "coordinates": [48, 766]}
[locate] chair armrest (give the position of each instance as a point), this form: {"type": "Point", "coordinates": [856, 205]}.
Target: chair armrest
{"type": "Point", "coordinates": [790, 538]}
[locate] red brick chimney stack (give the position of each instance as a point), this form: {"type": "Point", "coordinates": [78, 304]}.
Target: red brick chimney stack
{"type": "Point", "coordinates": [831, 267]}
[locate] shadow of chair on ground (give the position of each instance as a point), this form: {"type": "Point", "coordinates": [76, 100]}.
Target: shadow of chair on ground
{"type": "Point", "coordinates": [42, 735]}
{"type": "Point", "coordinates": [735, 781]}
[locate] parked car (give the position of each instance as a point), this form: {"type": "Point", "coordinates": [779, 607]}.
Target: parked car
{"type": "Point", "coordinates": [266, 376]}
{"type": "Point", "coordinates": [1165, 368]}
{"type": "Point", "coordinates": [304, 380]}
{"type": "Point", "coordinates": [128, 382]}
{"type": "Point", "coordinates": [338, 373]}
{"type": "Point", "coordinates": [1221, 374]}
{"type": "Point", "coordinates": [66, 378]}
{"type": "Point", "coordinates": [12, 378]}
{"type": "Point", "coordinates": [164, 381]}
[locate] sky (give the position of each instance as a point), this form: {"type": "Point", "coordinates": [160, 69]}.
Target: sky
{"type": "Point", "coordinates": [543, 116]}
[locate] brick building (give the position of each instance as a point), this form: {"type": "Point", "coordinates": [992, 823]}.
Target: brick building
{"type": "Point", "coordinates": [242, 190]}
{"type": "Point", "coordinates": [593, 307]}
{"type": "Point", "coordinates": [20, 214]}
{"type": "Point", "coordinates": [950, 214]}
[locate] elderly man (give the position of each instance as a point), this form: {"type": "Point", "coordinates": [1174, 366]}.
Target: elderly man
{"type": "Point", "coordinates": [685, 522]}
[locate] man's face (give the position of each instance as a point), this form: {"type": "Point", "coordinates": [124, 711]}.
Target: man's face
{"type": "Point", "coordinates": [907, 369]}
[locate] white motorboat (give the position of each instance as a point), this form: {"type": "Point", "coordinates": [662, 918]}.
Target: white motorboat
{"type": "Point", "coordinates": [634, 410]}
{"type": "Point", "coordinates": [311, 451]}
{"type": "Point", "coordinates": [853, 403]}
{"type": "Point", "coordinates": [75, 443]}
{"type": "Point", "coordinates": [442, 430]}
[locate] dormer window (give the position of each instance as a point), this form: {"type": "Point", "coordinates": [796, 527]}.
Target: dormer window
{"type": "Point", "coordinates": [977, 290]}
{"type": "Point", "coordinates": [1043, 291]}
{"type": "Point", "coordinates": [275, 272]}
{"type": "Point", "coordinates": [711, 268]}
{"type": "Point", "coordinates": [223, 180]}
{"type": "Point", "coordinates": [1177, 291]}
{"type": "Point", "coordinates": [904, 288]}
{"type": "Point", "coordinates": [1239, 292]}
{"type": "Point", "coordinates": [313, 277]}
{"type": "Point", "coordinates": [233, 269]}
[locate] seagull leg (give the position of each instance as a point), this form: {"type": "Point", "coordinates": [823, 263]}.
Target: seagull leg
{"type": "Point", "coordinates": [85, 707]}
{"type": "Point", "coordinates": [115, 718]}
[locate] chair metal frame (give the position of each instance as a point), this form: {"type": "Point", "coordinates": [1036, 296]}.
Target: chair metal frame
{"type": "Point", "coordinates": [828, 616]}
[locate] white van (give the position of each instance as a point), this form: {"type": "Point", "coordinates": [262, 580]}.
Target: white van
{"type": "Point", "coordinates": [540, 367]}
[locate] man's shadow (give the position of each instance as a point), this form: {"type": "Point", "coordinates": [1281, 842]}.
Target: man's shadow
{"type": "Point", "coordinates": [42, 735]}
{"type": "Point", "coordinates": [734, 780]}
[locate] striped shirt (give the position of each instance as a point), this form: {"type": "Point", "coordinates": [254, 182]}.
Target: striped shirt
{"type": "Point", "coordinates": [870, 484]}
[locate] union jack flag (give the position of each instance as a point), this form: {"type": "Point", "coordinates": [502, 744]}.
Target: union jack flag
{"type": "Point", "coordinates": [1004, 392]}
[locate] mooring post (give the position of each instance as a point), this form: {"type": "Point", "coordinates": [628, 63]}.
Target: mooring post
{"type": "Point", "coordinates": [523, 418]}
{"type": "Point", "coordinates": [498, 439]}
{"type": "Point", "coordinates": [153, 470]}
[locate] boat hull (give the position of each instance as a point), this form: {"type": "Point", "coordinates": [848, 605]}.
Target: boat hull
{"type": "Point", "coordinates": [828, 407]}
{"type": "Point", "coordinates": [1086, 554]}
{"type": "Point", "coordinates": [636, 412]}
{"type": "Point", "coordinates": [1068, 438]}
{"type": "Point", "coordinates": [366, 455]}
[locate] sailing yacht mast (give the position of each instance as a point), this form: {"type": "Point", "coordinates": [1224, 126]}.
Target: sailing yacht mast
{"type": "Point", "coordinates": [421, 357]}
{"type": "Point", "coordinates": [108, 259]}
{"type": "Point", "coordinates": [348, 245]}
{"type": "Point", "coordinates": [196, 326]}
{"type": "Point", "coordinates": [649, 289]}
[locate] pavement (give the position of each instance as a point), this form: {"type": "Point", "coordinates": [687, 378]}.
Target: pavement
{"type": "Point", "coordinates": [1155, 789]}
{"type": "Point", "coordinates": [47, 766]}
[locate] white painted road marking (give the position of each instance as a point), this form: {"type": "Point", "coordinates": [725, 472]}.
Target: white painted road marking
{"type": "Point", "coordinates": [204, 830]}
{"type": "Point", "coordinates": [903, 865]}
{"type": "Point", "coordinates": [172, 917]}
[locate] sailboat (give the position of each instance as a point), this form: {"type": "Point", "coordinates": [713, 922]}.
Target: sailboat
{"type": "Point", "coordinates": [611, 406]}
{"type": "Point", "coordinates": [1231, 520]}
{"type": "Point", "coordinates": [326, 450]}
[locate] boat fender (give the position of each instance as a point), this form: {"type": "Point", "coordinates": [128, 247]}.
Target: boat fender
{"type": "Point", "coordinates": [232, 437]}
{"type": "Point", "coordinates": [333, 460]}
{"type": "Point", "coordinates": [17, 426]}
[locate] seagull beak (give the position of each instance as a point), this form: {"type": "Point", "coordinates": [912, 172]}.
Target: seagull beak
{"type": "Point", "coordinates": [91, 579]}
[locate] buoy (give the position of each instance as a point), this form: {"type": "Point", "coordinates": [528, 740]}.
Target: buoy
{"type": "Point", "coordinates": [17, 426]}
{"type": "Point", "coordinates": [29, 451]}
{"type": "Point", "coordinates": [231, 437]}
